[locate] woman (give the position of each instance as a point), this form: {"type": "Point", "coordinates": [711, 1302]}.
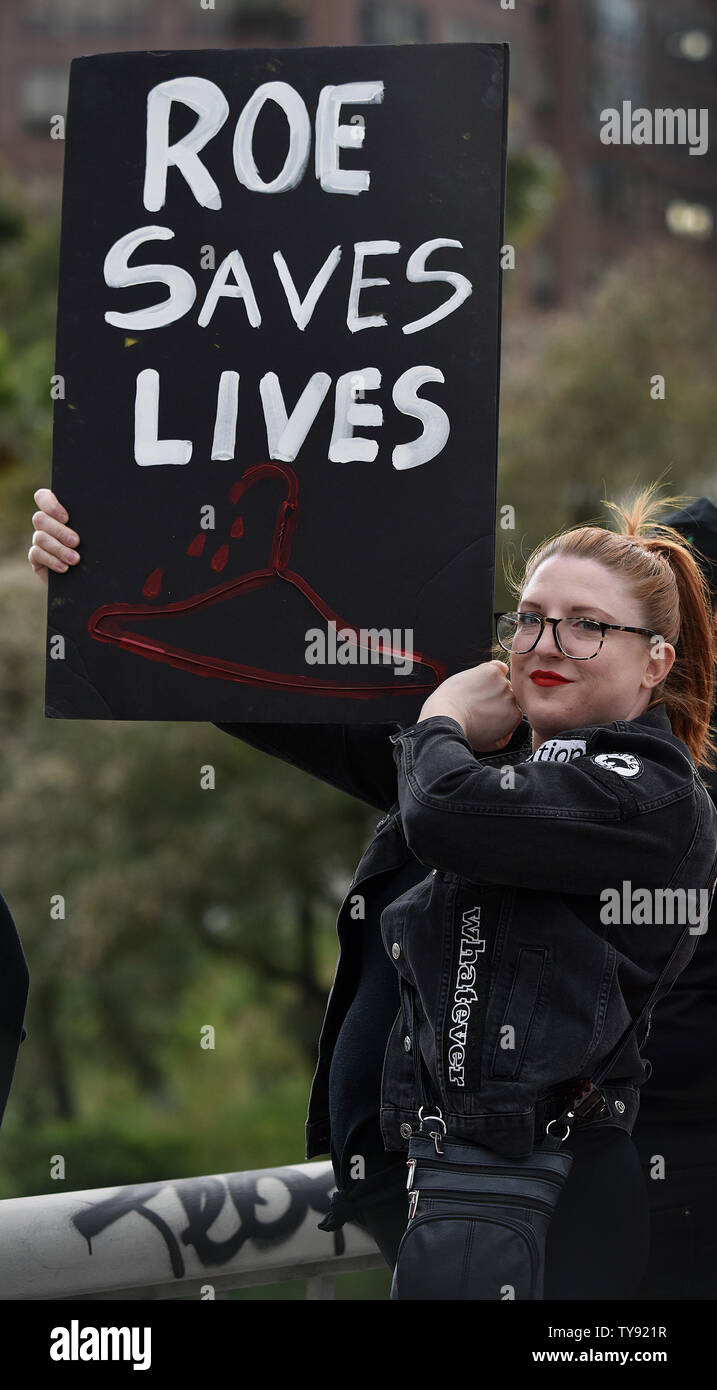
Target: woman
{"type": "Point", "coordinates": [590, 789]}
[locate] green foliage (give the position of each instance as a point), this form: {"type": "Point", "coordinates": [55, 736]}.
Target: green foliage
{"type": "Point", "coordinates": [578, 422]}
{"type": "Point", "coordinates": [533, 182]}
{"type": "Point", "coordinates": [28, 295]}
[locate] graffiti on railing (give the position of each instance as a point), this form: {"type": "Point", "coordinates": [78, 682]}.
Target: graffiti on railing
{"type": "Point", "coordinates": [269, 1211]}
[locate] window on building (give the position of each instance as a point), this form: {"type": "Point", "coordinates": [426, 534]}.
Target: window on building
{"type": "Point", "coordinates": [43, 93]}
{"type": "Point", "coordinates": [70, 16]}
{"type": "Point", "coordinates": [381, 21]}
{"type": "Point", "coordinates": [617, 19]}
{"type": "Point", "coordinates": [280, 19]}
{"type": "Point", "coordinates": [543, 10]}
{"type": "Point", "coordinates": [455, 29]}
{"type": "Point", "coordinates": [543, 88]}
{"type": "Point", "coordinates": [616, 190]}
{"type": "Point", "coordinates": [610, 79]}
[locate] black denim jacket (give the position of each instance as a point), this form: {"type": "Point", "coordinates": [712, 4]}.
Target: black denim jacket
{"type": "Point", "coordinates": [522, 984]}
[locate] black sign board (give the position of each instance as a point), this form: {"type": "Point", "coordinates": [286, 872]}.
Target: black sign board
{"type": "Point", "coordinates": [276, 380]}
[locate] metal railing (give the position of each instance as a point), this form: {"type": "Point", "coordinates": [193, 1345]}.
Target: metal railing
{"type": "Point", "coordinates": [180, 1238]}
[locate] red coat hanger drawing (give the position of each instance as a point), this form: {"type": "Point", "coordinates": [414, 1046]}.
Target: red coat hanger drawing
{"type": "Point", "coordinates": [115, 622]}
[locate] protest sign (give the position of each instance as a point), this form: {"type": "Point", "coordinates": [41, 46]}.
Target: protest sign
{"type": "Point", "coordinates": [276, 380]}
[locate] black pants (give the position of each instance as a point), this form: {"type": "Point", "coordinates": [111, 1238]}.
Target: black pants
{"type": "Point", "coordinates": [598, 1239]}
{"type": "Point", "coordinates": [683, 1244]}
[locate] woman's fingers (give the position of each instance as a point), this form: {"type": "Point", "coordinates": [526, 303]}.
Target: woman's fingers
{"type": "Point", "coordinates": [46, 524]}
{"type": "Point", "coordinates": [42, 559]}
{"type": "Point", "coordinates": [53, 541]}
{"type": "Point", "coordinates": [48, 543]}
{"type": "Point", "coordinates": [49, 503]}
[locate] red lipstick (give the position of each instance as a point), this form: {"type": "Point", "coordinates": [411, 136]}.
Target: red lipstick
{"type": "Point", "coordinates": [548, 678]}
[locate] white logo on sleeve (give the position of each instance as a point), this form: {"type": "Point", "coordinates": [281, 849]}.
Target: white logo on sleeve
{"type": "Point", "coordinates": [558, 750]}
{"type": "Point", "coordinates": [625, 764]}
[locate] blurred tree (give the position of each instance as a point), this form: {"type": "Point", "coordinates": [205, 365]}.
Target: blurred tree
{"type": "Point", "coordinates": [29, 252]}
{"type": "Point", "coordinates": [532, 187]}
{"type": "Point", "coordinates": [578, 420]}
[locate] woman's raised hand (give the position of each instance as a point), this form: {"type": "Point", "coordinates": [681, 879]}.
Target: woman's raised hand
{"type": "Point", "coordinates": [481, 699]}
{"type": "Point", "coordinates": [52, 541]}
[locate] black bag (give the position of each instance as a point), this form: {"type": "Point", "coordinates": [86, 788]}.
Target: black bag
{"type": "Point", "coordinates": [478, 1221]}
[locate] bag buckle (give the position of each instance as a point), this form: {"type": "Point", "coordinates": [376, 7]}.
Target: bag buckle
{"type": "Point", "coordinates": [413, 1203]}
{"type": "Point", "coordinates": [585, 1101]}
{"type": "Point", "coordinates": [411, 1162]}
{"type": "Point", "coordinates": [434, 1133]}
{"type": "Point", "coordinates": [567, 1118]}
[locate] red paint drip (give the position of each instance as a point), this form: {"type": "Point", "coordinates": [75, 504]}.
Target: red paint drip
{"type": "Point", "coordinates": [237, 527]}
{"type": "Point", "coordinates": [196, 547]}
{"type": "Point", "coordinates": [153, 583]}
{"type": "Point", "coordinates": [220, 557]}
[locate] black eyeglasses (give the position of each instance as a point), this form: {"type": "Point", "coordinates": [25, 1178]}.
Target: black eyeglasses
{"type": "Point", "coordinates": [582, 638]}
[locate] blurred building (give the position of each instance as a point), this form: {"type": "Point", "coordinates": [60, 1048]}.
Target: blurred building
{"type": "Point", "coordinates": [569, 61]}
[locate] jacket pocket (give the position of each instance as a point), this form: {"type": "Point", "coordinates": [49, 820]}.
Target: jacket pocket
{"type": "Point", "coordinates": [523, 1014]}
